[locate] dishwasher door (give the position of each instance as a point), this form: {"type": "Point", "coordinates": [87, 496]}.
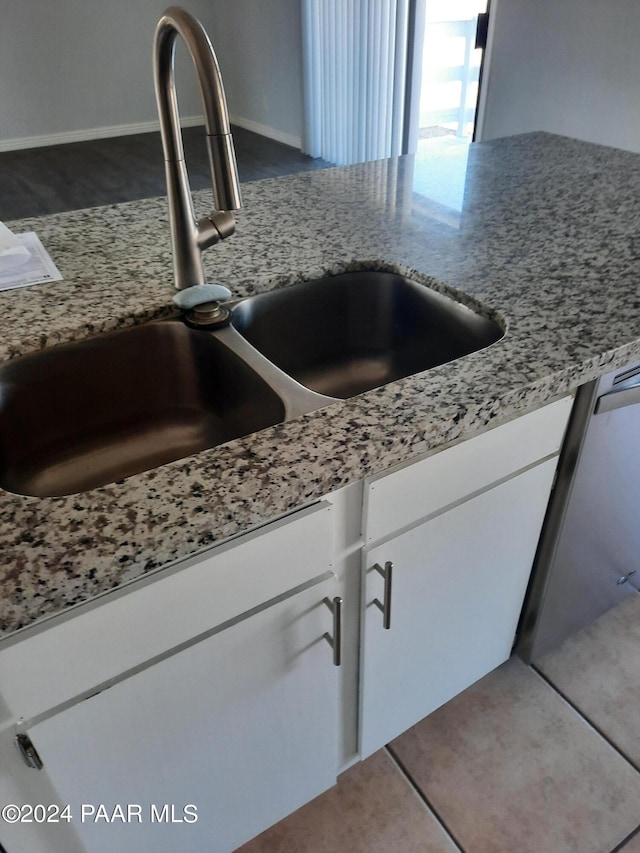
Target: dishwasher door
{"type": "Point", "coordinates": [590, 549]}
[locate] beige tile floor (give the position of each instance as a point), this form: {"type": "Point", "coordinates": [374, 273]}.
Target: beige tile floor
{"type": "Point", "coordinates": [609, 651]}
{"type": "Point", "coordinates": [524, 761]}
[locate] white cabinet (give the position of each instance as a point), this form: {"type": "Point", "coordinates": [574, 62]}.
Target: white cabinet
{"type": "Point", "coordinates": [458, 585]}
{"type": "Point", "coordinates": [460, 567]}
{"type": "Point", "coordinates": [210, 690]}
{"type": "Point", "coordinates": [234, 723]}
{"type": "Point", "coordinates": [237, 731]}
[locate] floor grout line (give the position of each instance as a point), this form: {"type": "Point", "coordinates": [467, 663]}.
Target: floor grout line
{"type": "Point", "coordinates": [633, 834]}
{"type": "Point", "coordinates": [584, 717]}
{"type": "Point", "coordinates": [619, 848]}
{"type": "Point", "coordinates": [600, 733]}
{"type": "Point", "coordinates": [402, 770]}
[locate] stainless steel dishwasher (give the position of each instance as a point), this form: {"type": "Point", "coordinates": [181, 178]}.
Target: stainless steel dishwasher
{"type": "Point", "coordinates": [589, 552]}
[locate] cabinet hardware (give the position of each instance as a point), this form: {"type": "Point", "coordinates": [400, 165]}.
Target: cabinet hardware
{"type": "Point", "coordinates": [482, 31]}
{"type": "Point", "coordinates": [335, 606]}
{"type": "Point", "coordinates": [624, 392]}
{"type": "Point", "coordinates": [625, 578]}
{"type": "Point", "coordinates": [28, 752]}
{"type": "Point", "coordinates": [385, 607]}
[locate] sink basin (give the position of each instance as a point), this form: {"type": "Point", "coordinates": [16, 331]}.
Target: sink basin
{"type": "Point", "coordinates": [85, 414]}
{"type": "Point", "coordinates": [82, 415]}
{"type": "Point", "coordinates": [348, 333]}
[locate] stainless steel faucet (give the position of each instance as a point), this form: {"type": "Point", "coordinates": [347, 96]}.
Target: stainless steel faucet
{"type": "Point", "coordinates": [188, 235]}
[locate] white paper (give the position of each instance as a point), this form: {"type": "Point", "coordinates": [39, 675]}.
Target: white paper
{"type": "Point", "coordinates": [36, 268]}
{"type": "Point", "coordinates": [12, 252]}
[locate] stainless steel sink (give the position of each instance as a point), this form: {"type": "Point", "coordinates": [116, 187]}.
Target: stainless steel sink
{"type": "Point", "coordinates": [82, 415]}
{"type": "Point", "coordinates": [85, 414]}
{"type": "Point", "coordinates": [345, 334]}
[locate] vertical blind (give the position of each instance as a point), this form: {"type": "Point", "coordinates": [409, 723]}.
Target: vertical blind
{"type": "Point", "coordinates": [354, 66]}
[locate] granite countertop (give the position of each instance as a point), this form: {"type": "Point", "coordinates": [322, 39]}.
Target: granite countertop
{"type": "Point", "coordinates": [547, 236]}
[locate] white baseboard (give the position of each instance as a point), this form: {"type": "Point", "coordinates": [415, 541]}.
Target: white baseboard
{"type": "Point", "coordinates": [19, 143]}
{"type": "Point", "coordinates": [24, 142]}
{"type": "Point", "coordinates": [265, 130]}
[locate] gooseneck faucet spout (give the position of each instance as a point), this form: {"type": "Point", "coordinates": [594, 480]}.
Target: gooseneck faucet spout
{"type": "Point", "coordinates": [188, 235]}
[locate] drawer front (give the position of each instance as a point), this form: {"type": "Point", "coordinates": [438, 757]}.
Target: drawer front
{"type": "Point", "coordinates": [398, 499]}
{"type": "Point", "coordinates": [74, 654]}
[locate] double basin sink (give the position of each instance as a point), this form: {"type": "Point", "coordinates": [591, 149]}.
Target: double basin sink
{"type": "Point", "coordinates": [85, 414]}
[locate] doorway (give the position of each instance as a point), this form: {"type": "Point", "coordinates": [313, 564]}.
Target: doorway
{"type": "Point", "coordinates": [444, 77]}
{"type": "Point", "coordinates": [450, 68]}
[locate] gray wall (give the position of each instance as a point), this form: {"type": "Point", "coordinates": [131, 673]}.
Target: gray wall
{"type": "Point", "coordinates": [565, 66]}
{"type": "Point", "coordinates": [81, 68]}
{"type": "Point", "coordinates": [259, 47]}
{"type": "Point", "coordinates": [77, 68]}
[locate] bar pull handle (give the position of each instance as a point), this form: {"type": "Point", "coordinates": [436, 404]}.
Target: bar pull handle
{"type": "Point", "coordinates": [28, 751]}
{"type": "Point", "coordinates": [335, 606]}
{"type": "Point", "coordinates": [385, 605]}
{"type": "Point", "coordinates": [628, 394]}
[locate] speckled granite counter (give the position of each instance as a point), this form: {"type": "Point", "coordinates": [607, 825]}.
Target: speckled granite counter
{"type": "Point", "coordinates": [548, 236]}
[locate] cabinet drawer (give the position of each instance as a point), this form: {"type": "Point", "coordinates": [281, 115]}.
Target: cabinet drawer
{"type": "Point", "coordinates": [70, 655]}
{"type": "Point", "coordinates": [408, 494]}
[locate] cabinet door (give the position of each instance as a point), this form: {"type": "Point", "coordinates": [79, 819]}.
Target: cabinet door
{"type": "Point", "coordinates": [459, 580]}
{"type": "Point", "coordinates": [241, 725]}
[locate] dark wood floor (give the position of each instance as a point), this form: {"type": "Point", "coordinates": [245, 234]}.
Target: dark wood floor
{"type": "Point", "coordinates": [38, 181]}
